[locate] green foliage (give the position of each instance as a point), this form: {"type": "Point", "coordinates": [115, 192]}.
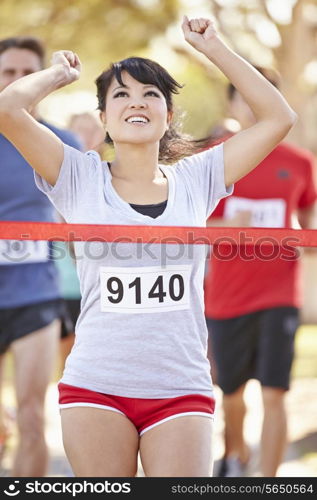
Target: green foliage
{"type": "Point", "coordinates": [202, 99]}
{"type": "Point", "coordinates": [100, 31]}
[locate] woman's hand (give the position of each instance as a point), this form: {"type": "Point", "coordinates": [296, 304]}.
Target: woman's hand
{"type": "Point", "coordinates": [71, 64]}
{"type": "Point", "coordinates": [200, 33]}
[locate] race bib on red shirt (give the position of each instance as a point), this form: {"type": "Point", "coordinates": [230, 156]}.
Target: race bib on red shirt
{"type": "Point", "coordinates": [265, 213]}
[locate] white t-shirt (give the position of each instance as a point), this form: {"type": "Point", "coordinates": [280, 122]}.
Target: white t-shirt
{"type": "Point", "coordinates": [142, 331]}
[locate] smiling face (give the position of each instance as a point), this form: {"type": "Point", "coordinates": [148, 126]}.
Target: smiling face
{"type": "Point", "coordinates": [135, 112]}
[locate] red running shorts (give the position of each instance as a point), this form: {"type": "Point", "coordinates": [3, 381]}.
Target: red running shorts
{"type": "Point", "coordinates": [143, 413]}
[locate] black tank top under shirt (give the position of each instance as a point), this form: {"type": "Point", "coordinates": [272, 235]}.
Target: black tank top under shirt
{"type": "Point", "coordinates": [151, 210]}
{"type": "Point", "coordinates": [154, 210]}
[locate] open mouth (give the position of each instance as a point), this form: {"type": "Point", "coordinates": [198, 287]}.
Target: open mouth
{"type": "Point", "coordinates": [138, 119]}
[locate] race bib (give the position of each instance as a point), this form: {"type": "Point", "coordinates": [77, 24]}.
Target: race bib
{"type": "Point", "coordinates": [265, 213]}
{"type": "Point", "coordinates": [23, 252]}
{"type": "Point", "coordinates": [144, 289]}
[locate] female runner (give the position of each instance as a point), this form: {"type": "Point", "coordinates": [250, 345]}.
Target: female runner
{"type": "Point", "coordinates": [138, 379]}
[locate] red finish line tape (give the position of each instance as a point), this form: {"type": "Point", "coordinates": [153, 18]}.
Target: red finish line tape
{"type": "Point", "coordinates": [12, 230]}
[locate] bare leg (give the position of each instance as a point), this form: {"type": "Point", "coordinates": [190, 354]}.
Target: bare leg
{"type": "Point", "coordinates": [2, 414]}
{"type": "Point", "coordinates": [234, 412]}
{"type": "Point", "coordinates": [66, 345]}
{"type": "Point", "coordinates": [4, 427]}
{"type": "Point", "coordinates": [99, 443]}
{"type": "Point", "coordinates": [274, 430]}
{"type": "Point", "coordinates": [34, 357]}
{"type": "Point", "coordinates": [181, 447]}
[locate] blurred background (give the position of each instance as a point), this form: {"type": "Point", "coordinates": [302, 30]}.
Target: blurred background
{"type": "Point", "coordinates": [281, 34]}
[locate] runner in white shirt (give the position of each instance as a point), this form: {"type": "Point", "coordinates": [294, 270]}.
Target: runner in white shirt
{"type": "Point", "coordinates": [138, 377]}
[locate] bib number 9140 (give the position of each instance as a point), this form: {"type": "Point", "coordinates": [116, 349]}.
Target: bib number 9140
{"type": "Point", "coordinates": [144, 289]}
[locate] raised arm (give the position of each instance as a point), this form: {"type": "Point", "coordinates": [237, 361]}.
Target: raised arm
{"type": "Point", "coordinates": [41, 148]}
{"type": "Point", "coordinates": [274, 117]}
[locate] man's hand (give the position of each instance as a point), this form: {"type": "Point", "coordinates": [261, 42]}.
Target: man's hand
{"type": "Point", "coordinates": [243, 218]}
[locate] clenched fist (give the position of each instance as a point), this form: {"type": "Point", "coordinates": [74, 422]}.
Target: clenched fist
{"type": "Point", "coordinates": [71, 63]}
{"type": "Point", "coordinates": [199, 32]}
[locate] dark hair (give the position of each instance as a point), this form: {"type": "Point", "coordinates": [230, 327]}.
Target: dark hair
{"type": "Point", "coordinates": [173, 144]}
{"type": "Point", "coordinates": [24, 42]}
{"type": "Point", "coordinates": [270, 74]}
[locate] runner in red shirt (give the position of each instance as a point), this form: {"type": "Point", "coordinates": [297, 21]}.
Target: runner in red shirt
{"type": "Point", "coordinates": [252, 295]}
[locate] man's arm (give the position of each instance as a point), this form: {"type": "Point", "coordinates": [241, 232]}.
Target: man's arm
{"type": "Point", "coordinates": [307, 219]}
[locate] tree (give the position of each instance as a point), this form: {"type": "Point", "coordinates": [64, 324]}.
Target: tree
{"type": "Point", "coordinates": [282, 34]}
{"type": "Point", "coordinates": [267, 32]}
{"type": "Point", "coordinates": [100, 31]}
